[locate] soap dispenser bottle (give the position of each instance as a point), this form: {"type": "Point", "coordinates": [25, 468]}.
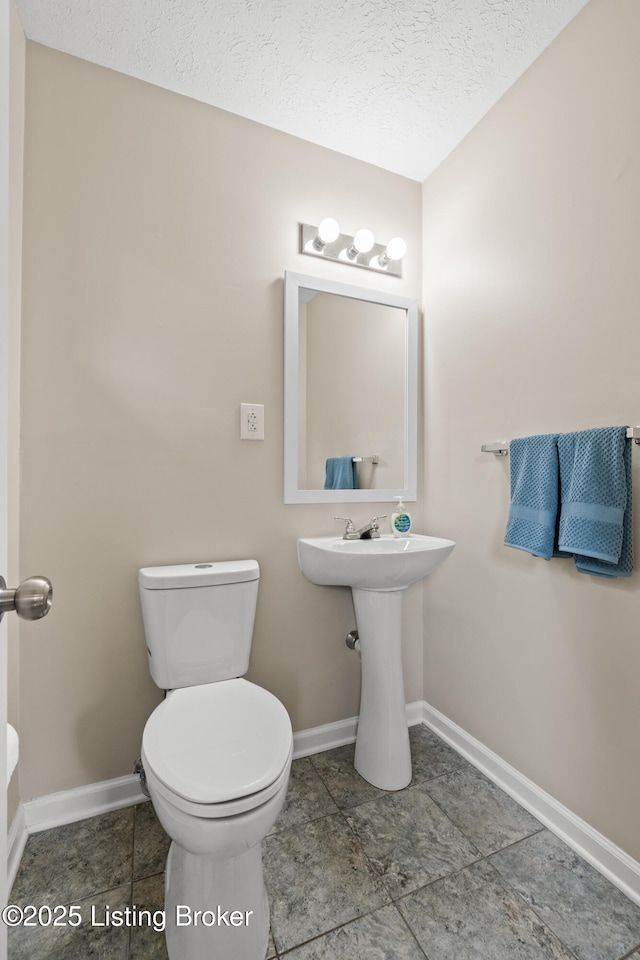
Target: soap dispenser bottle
{"type": "Point", "coordinates": [400, 520]}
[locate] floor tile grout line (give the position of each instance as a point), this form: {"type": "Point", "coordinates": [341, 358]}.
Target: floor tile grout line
{"type": "Point", "coordinates": [406, 923]}
{"type": "Point", "coordinates": [392, 900]}
{"type": "Point", "coordinates": [448, 876]}
{"type": "Point", "coordinates": [414, 783]}
{"type": "Point", "coordinates": [348, 923]}
{"type": "Point", "coordinates": [463, 764]}
{"type": "Point", "coordinates": [544, 922]}
{"type": "Point", "coordinates": [133, 845]}
{"type": "Point", "coordinates": [481, 859]}
{"type": "Point", "coordinates": [133, 865]}
{"type": "Point", "coordinates": [328, 789]}
{"type": "Point", "coordinates": [344, 811]}
{"type": "Point", "coordinates": [130, 928]}
{"type": "Point", "coordinates": [486, 858]}
{"type": "Point", "coordinates": [93, 893]}
{"type": "Point", "coordinates": [372, 867]}
{"type": "Point", "coordinates": [481, 855]}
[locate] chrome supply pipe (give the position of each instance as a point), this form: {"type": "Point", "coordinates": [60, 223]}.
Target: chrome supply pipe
{"type": "Point", "coordinates": [352, 640]}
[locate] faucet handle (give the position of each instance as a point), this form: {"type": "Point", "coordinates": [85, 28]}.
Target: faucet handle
{"type": "Point", "coordinates": [373, 525]}
{"type": "Point", "coordinates": [350, 527]}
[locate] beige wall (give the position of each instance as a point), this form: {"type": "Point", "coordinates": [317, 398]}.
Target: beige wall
{"type": "Point", "coordinates": [531, 291]}
{"type": "Point", "coordinates": [144, 328]}
{"type": "Point", "coordinates": [16, 148]}
{"type": "Point", "coordinates": [157, 233]}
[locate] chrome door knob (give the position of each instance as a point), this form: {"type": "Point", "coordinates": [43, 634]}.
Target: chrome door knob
{"type": "Point", "coordinates": [31, 600]}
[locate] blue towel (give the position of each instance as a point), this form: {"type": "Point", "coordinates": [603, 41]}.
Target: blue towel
{"type": "Point", "coordinates": [341, 474]}
{"type": "Point", "coordinates": [534, 495]}
{"type": "Point", "coordinates": [595, 513]}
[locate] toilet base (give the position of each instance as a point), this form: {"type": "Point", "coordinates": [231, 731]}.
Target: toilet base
{"type": "Point", "coordinates": [216, 909]}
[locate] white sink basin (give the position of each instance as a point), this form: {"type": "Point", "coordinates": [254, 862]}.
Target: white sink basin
{"type": "Point", "coordinates": [387, 563]}
{"type": "Point", "coordinates": [378, 572]}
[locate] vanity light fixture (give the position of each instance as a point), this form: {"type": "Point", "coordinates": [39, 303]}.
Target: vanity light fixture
{"type": "Point", "coordinates": [361, 250]}
{"type": "Point", "coordinates": [328, 232]}
{"type": "Point", "coordinates": [362, 243]}
{"type": "Point", "coordinates": [396, 250]}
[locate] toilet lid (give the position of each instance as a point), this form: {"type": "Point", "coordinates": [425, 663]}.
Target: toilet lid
{"type": "Point", "coordinates": [218, 741]}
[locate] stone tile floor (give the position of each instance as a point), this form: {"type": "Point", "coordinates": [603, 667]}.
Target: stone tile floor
{"type": "Point", "coordinates": [450, 868]}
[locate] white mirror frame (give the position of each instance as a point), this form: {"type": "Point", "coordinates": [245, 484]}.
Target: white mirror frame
{"type": "Point", "coordinates": [292, 493]}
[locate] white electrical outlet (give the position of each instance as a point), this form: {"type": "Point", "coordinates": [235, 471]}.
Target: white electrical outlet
{"type": "Point", "coordinates": [252, 421]}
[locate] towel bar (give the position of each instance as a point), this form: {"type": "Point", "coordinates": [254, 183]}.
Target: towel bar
{"type": "Point", "coordinates": [501, 448]}
{"type": "Point", "coordinates": [374, 459]}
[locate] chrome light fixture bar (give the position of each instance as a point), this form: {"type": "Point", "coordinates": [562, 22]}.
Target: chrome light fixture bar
{"type": "Point", "coordinates": [361, 250]}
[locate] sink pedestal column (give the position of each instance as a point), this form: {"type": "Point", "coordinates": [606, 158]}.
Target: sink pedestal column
{"type": "Point", "coordinates": [382, 755]}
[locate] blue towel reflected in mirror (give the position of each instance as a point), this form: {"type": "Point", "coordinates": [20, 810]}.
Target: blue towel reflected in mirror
{"type": "Point", "coordinates": [341, 474]}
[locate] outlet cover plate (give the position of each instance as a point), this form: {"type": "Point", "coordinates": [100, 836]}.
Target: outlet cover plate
{"type": "Point", "coordinates": [252, 421]}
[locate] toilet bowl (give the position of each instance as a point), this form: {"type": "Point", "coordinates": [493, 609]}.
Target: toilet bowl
{"type": "Point", "coordinates": [217, 757]}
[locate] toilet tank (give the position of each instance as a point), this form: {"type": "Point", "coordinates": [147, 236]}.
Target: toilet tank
{"type": "Point", "coordinates": [198, 620]}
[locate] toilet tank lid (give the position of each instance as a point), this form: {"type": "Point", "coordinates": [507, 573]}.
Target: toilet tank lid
{"type": "Point", "coordinates": [198, 574]}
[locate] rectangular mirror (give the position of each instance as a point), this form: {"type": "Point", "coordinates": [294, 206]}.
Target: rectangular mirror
{"type": "Point", "coordinates": [350, 393]}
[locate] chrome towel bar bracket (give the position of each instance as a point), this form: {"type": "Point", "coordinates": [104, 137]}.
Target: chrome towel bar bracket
{"type": "Point", "coordinates": [500, 449]}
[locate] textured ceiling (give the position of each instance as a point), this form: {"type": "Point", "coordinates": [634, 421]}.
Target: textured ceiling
{"type": "Point", "coordinates": [397, 83]}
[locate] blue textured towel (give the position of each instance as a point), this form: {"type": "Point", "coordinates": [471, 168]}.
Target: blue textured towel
{"type": "Point", "coordinates": [534, 495]}
{"type": "Point", "coordinates": [595, 513]}
{"type": "Point", "coordinates": [341, 474]}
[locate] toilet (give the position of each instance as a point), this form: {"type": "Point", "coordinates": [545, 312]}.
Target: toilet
{"type": "Point", "coordinates": [216, 754]}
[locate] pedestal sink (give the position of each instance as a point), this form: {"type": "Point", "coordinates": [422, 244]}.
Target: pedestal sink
{"type": "Point", "coordinates": [378, 572]}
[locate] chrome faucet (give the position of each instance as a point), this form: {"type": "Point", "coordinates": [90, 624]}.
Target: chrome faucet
{"type": "Point", "coordinates": [370, 531]}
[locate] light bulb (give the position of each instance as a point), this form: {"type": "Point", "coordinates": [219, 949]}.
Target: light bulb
{"type": "Point", "coordinates": [363, 241]}
{"type": "Point", "coordinates": [328, 231]}
{"type": "Point", "coordinates": [396, 249]}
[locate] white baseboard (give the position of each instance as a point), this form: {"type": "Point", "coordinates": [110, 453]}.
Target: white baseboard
{"type": "Point", "coordinates": [330, 735]}
{"type": "Point", "coordinates": [16, 841]}
{"type": "Point", "coordinates": [56, 809]}
{"type": "Point", "coordinates": [608, 859]}
{"type": "Point", "coordinates": [326, 737]}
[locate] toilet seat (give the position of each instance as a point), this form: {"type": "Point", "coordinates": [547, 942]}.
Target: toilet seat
{"type": "Point", "coordinates": [220, 746]}
{"type": "Point", "coordinates": [215, 811]}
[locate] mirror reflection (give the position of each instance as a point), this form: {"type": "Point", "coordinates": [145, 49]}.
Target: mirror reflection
{"type": "Point", "coordinates": [350, 392]}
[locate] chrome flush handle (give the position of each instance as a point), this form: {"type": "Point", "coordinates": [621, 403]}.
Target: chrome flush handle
{"type": "Point", "coordinates": [31, 600]}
